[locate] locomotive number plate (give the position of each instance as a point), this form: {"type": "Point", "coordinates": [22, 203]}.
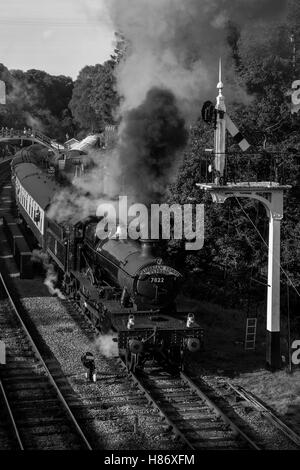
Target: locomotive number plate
{"type": "Point", "coordinates": [159, 270]}
{"type": "Point", "coordinates": [157, 280]}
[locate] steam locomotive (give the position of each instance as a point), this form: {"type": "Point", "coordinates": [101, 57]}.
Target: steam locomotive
{"type": "Point", "coordinates": [119, 284]}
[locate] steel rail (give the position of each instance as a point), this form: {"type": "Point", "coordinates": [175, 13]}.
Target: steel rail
{"type": "Point", "coordinates": [267, 413]}
{"type": "Point", "coordinates": [194, 388]}
{"type": "Point", "coordinates": [236, 429]}
{"type": "Point", "coordinates": [12, 419]}
{"type": "Point", "coordinates": [49, 375]}
{"type": "Point", "coordinates": [157, 406]}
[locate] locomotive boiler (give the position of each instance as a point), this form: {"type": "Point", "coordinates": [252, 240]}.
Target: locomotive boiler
{"type": "Point", "coordinates": [123, 288]}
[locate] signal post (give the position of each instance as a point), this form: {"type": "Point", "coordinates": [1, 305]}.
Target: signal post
{"type": "Point", "coordinates": [270, 194]}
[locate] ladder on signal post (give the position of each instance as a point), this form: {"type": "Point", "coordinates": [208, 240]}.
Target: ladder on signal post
{"type": "Point", "coordinates": [250, 338]}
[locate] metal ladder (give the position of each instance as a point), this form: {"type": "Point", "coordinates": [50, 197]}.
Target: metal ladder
{"type": "Point", "coordinates": [250, 337]}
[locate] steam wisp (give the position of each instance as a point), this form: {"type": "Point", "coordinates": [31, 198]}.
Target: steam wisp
{"type": "Point", "coordinates": [51, 275]}
{"type": "Point", "coordinates": [106, 346]}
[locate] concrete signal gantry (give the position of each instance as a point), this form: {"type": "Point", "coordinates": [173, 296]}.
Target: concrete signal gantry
{"type": "Point", "coordinates": [270, 194]}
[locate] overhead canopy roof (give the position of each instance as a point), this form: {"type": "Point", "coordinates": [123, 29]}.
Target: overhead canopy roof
{"type": "Point", "coordinates": [71, 142]}
{"type": "Point", "coordinates": [86, 144]}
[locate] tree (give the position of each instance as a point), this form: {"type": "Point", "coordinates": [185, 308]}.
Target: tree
{"type": "Point", "coordinates": [94, 97]}
{"type": "Point", "coordinates": [36, 99]}
{"type": "Point", "coordinates": [104, 99]}
{"type": "Point", "coordinates": [264, 69]}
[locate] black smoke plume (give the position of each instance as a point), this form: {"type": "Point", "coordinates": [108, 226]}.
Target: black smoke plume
{"type": "Point", "coordinates": [152, 136]}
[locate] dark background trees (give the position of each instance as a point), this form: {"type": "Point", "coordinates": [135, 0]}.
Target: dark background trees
{"type": "Point", "coordinates": [234, 259]}
{"type": "Point", "coordinates": [94, 97]}
{"type": "Point", "coordinates": [36, 99]}
{"type": "Point", "coordinates": [57, 105]}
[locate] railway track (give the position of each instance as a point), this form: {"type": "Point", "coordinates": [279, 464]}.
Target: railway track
{"type": "Point", "coordinates": [34, 412]}
{"type": "Point", "coordinates": [246, 410]}
{"type": "Point", "coordinates": [191, 415]}
{"type": "Point", "coordinates": [5, 201]}
{"type": "Point", "coordinates": [197, 413]}
{"type": "Point", "coordinates": [268, 414]}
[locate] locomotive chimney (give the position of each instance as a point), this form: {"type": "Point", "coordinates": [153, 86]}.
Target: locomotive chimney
{"type": "Point", "coordinates": [147, 248]}
{"type": "Point", "coordinates": [147, 244]}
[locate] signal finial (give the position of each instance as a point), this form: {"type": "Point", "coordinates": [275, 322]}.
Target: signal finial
{"type": "Point", "coordinates": [220, 98]}
{"type": "Point", "coordinates": [220, 85]}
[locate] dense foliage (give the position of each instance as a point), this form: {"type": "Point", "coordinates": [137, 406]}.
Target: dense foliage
{"type": "Point", "coordinates": [58, 106]}
{"type": "Point", "coordinates": [37, 99]}
{"type": "Point", "coordinates": [232, 266]}
{"type": "Point", "coordinates": [94, 97]}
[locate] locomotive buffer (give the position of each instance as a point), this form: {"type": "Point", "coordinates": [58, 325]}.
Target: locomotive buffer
{"type": "Point", "coordinates": [270, 194]}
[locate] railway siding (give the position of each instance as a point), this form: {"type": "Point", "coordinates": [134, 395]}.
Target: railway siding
{"type": "Point", "coordinates": [35, 413]}
{"type": "Point", "coordinates": [244, 414]}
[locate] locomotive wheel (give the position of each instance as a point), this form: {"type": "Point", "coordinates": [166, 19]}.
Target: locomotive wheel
{"type": "Point", "coordinates": [90, 276]}
{"type": "Point", "coordinates": [74, 290]}
{"type": "Point", "coordinates": [94, 320]}
{"type": "Point", "coordinates": [127, 359]}
{"type": "Point", "coordinates": [84, 308]}
{"type": "Point", "coordinates": [131, 361]}
{"type": "Point", "coordinates": [182, 364]}
{"type": "Point", "coordinates": [175, 358]}
{"type": "Point", "coordinates": [69, 287]}
{"type": "Point", "coordinates": [174, 355]}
